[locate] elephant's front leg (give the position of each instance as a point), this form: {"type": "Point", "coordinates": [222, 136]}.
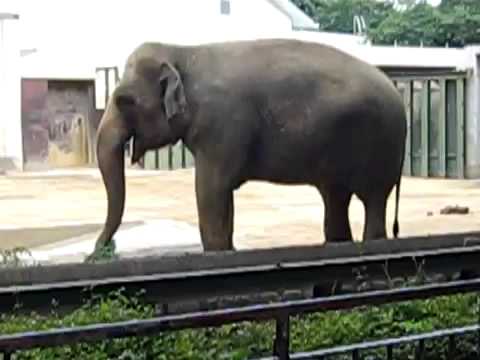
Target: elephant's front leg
{"type": "Point", "coordinates": [215, 211]}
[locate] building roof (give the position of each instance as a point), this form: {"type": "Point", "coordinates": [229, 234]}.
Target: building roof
{"type": "Point", "coordinates": [300, 20]}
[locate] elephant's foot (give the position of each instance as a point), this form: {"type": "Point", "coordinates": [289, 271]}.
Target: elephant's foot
{"type": "Point", "coordinates": [339, 239]}
{"type": "Point", "coordinates": [215, 248]}
{"type": "Point", "coordinates": [103, 252]}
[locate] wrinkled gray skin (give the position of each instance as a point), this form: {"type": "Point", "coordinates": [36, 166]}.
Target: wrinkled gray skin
{"type": "Point", "coordinates": [282, 111]}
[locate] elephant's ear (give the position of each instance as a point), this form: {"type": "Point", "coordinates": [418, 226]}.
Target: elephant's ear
{"type": "Point", "coordinates": [173, 92]}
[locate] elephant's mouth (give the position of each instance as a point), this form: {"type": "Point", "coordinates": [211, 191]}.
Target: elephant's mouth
{"type": "Point", "coordinates": [138, 149]}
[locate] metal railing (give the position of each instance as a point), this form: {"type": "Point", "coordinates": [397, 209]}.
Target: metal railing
{"type": "Point", "coordinates": [280, 312]}
{"type": "Point", "coordinates": [389, 344]}
{"type": "Point", "coordinates": [167, 281]}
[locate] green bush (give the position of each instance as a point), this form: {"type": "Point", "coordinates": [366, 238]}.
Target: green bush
{"type": "Point", "coordinates": [253, 340]}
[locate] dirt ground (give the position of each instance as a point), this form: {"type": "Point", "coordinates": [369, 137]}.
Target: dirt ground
{"type": "Point", "coordinates": [45, 207]}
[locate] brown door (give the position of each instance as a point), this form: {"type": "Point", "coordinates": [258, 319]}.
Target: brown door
{"type": "Point", "coordinates": [34, 123]}
{"type": "Point", "coordinates": [56, 127]}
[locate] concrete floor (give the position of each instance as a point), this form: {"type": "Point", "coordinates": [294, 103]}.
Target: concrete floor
{"type": "Point", "coordinates": [45, 209]}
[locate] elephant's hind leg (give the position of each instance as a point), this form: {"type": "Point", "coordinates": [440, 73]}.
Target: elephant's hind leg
{"type": "Point", "coordinates": [336, 223]}
{"type": "Point", "coordinates": [215, 212]}
{"type": "Point", "coordinates": [375, 216]}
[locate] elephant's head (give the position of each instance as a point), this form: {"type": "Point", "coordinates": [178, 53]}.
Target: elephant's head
{"type": "Point", "coordinates": [145, 106]}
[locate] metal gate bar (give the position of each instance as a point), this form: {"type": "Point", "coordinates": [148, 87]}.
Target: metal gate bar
{"type": "Point", "coordinates": [389, 344]}
{"type": "Point", "coordinates": [436, 117]}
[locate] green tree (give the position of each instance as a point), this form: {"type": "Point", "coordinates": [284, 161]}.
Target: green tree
{"type": "Point", "coordinates": [459, 22]}
{"type": "Point", "coordinates": [414, 25]}
{"type": "Point", "coordinates": [337, 15]}
{"type": "Point", "coordinates": [454, 22]}
{"type": "Point", "coordinates": [449, 4]}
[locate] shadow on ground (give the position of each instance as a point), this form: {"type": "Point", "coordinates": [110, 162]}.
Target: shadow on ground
{"type": "Point", "coordinates": [38, 236]}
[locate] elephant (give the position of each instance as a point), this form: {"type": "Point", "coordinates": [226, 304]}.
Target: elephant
{"type": "Point", "coordinates": [282, 111]}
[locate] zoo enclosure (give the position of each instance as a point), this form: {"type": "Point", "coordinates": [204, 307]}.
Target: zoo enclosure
{"type": "Point", "coordinates": [435, 147]}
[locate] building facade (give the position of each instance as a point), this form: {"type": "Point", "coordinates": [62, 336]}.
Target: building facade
{"type": "Point", "coordinates": [52, 108]}
{"type": "Point", "coordinates": [53, 96]}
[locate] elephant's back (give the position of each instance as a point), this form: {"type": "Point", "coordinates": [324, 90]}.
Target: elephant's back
{"type": "Point", "coordinates": [271, 63]}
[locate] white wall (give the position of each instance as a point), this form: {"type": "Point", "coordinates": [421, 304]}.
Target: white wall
{"type": "Point", "coordinates": [10, 96]}
{"type": "Point", "coordinates": [103, 33]}
{"type": "Point", "coordinates": [74, 37]}
{"type": "Point", "coordinates": [472, 98]}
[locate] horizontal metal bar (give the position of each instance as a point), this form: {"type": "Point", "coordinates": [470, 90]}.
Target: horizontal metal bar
{"type": "Point", "coordinates": [351, 261]}
{"type": "Point", "coordinates": [433, 76]}
{"type": "Point", "coordinates": [170, 287]}
{"type": "Point", "coordinates": [400, 74]}
{"type": "Point", "coordinates": [58, 337]}
{"type": "Point", "coordinates": [345, 349]}
{"type": "Point", "coordinates": [220, 260]}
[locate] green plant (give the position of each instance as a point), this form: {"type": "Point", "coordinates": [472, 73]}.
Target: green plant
{"type": "Point", "coordinates": [12, 257]}
{"type": "Point", "coordinates": [250, 339]}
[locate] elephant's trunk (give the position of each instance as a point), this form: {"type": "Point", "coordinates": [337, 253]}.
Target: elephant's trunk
{"type": "Point", "coordinates": [112, 136]}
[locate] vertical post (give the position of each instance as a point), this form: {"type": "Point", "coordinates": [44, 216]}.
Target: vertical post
{"type": "Point", "coordinates": [184, 157]}
{"type": "Point", "coordinates": [7, 355]}
{"type": "Point", "coordinates": [177, 155]}
{"type": "Point", "coordinates": [407, 98]}
{"type": "Point", "coordinates": [107, 87]}
{"type": "Point", "coordinates": [355, 354]}
{"type": "Point", "coordinates": [389, 352]}
{"type": "Point", "coordinates": [442, 130]}
{"type": "Point", "coordinates": [170, 157]}
{"type": "Point", "coordinates": [282, 338]}
{"type": "Point", "coordinates": [189, 159]}
{"type": "Point", "coordinates": [117, 76]}
{"type": "Point", "coordinates": [163, 159]}
{"type": "Point", "coordinates": [451, 347]}
{"type": "Point", "coordinates": [421, 350]}
{"type": "Point", "coordinates": [460, 128]}
{"type": "Point", "coordinates": [478, 323]}
{"type": "Point", "coordinates": [425, 128]}
{"type": "Point", "coordinates": [91, 136]}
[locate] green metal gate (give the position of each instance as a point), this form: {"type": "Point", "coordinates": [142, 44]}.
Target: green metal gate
{"type": "Point", "coordinates": [435, 107]}
{"type": "Point", "coordinates": [169, 158]}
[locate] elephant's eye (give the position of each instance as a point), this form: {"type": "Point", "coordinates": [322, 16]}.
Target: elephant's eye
{"type": "Point", "coordinates": [125, 102]}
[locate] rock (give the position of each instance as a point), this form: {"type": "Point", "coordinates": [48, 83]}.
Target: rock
{"type": "Point", "coordinates": [448, 210]}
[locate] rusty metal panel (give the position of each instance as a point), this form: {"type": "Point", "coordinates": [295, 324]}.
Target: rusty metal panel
{"type": "Point", "coordinates": [58, 120]}
{"type": "Point", "coordinates": [68, 110]}
{"type": "Point", "coordinates": [34, 121]}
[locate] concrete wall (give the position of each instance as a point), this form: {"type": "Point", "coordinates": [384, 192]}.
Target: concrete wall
{"type": "Point", "coordinates": [10, 106]}
{"type": "Point", "coordinates": [472, 137]}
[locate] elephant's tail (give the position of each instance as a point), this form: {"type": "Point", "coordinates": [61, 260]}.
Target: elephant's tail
{"type": "Point", "coordinates": [397, 200]}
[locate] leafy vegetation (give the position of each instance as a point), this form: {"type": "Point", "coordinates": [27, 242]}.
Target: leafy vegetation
{"type": "Point", "coordinates": [253, 340]}
{"type": "Point", "coordinates": [454, 23]}
{"type": "Point", "coordinates": [12, 258]}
